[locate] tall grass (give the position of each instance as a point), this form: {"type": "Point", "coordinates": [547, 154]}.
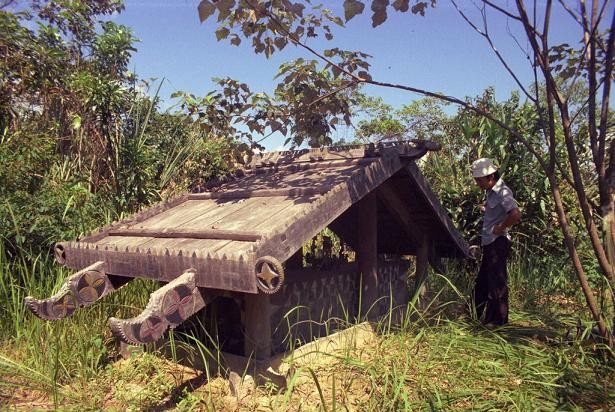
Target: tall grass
{"type": "Point", "coordinates": [43, 355]}
{"type": "Point", "coordinates": [430, 360]}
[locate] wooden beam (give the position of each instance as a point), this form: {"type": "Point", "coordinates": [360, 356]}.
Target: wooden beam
{"type": "Point", "coordinates": [420, 274]}
{"type": "Point", "coordinates": [240, 235]}
{"type": "Point", "coordinates": [367, 255]}
{"type": "Point", "coordinates": [257, 326]}
{"type": "Point", "coordinates": [300, 167]}
{"type": "Point", "coordinates": [412, 149]}
{"type": "Point", "coordinates": [134, 219]}
{"type": "Point", "coordinates": [233, 272]}
{"type": "Point", "coordinates": [244, 194]}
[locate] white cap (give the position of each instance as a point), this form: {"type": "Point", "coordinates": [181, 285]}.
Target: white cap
{"type": "Point", "coordinates": [483, 167]}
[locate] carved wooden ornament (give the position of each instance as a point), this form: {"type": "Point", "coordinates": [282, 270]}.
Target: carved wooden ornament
{"type": "Point", "coordinates": [82, 289]}
{"type": "Point", "coordinates": [269, 274]}
{"type": "Point", "coordinates": [167, 308]}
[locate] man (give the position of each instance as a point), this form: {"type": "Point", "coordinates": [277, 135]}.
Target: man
{"type": "Point", "coordinates": [501, 212]}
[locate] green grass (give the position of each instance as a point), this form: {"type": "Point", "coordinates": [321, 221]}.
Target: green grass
{"type": "Point", "coordinates": [433, 361]}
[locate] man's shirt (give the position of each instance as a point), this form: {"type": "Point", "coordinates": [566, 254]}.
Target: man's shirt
{"type": "Point", "coordinates": [499, 202]}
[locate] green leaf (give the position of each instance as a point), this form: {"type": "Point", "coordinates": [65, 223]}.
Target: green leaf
{"type": "Point", "coordinates": [222, 33]}
{"type": "Point", "coordinates": [76, 123]}
{"type": "Point", "coordinates": [206, 9]}
{"type": "Point", "coordinates": [352, 8]}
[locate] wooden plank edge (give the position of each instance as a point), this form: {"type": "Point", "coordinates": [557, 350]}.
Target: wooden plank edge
{"type": "Point", "coordinates": [235, 272]}
{"type": "Point", "coordinates": [134, 218]}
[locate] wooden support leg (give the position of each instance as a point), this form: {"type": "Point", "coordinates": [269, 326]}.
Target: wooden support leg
{"type": "Point", "coordinates": [257, 322]}
{"type": "Point", "coordinates": [167, 307]}
{"type": "Point", "coordinates": [81, 289]}
{"type": "Point", "coordinates": [420, 276]}
{"type": "Point", "coordinates": [367, 254]}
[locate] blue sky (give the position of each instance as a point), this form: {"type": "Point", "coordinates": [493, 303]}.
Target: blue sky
{"type": "Point", "coordinates": [438, 52]}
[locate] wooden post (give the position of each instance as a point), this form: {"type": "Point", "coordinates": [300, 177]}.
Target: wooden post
{"type": "Point", "coordinates": [367, 254]}
{"type": "Point", "coordinates": [257, 322]}
{"type": "Point", "coordinates": [420, 274]}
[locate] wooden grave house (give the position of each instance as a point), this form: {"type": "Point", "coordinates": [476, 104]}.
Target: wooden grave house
{"type": "Point", "coordinates": [238, 246]}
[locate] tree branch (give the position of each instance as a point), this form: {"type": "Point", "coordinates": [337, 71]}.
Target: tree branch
{"type": "Point", "coordinates": [468, 106]}
{"type": "Point", "coordinates": [590, 52]}
{"type": "Point", "coordinates": [571, 12]}
{"type": "Point", "coordinates": [501, 10]}
{"type": "Point", "coordinates": [606, 91]}
{"type": "Point", "coordinates": [590, 225]}
{"type": "Point", "coordinates": [298, 42]}
{"type": "Point", "coordinates": [485, 34]}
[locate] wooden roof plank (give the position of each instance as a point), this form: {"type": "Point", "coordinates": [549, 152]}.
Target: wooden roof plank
{"type": "Point", "coordinates": [135, 218]}
{"type": "Point", "coordinates": [196, 208]}
{"type": "Point", "coordinates": [241, 235]}
{"type": "Point", "coordinates": [274, 219]}
{"type": "Point", "coordinates": [284, 241]}
{"type": "Point", "coordinates": [243, 194]}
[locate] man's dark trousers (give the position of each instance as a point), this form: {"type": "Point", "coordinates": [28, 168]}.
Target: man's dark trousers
{"type": "Point", "coordinates": [491, 289]}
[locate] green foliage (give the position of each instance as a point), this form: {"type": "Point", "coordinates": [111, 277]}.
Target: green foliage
{"type": "Point", "coordinates": [81, 143]}
{"type": "Point", "coordinates": [43, 197]}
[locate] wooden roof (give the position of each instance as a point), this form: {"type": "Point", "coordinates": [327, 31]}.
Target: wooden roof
{"type": "Point", "coordinates": [271, 209]}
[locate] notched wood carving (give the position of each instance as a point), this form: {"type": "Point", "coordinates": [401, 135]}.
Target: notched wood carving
{"type": "Point", "coordinates": [81, 289]}
{"type": "Point", "coordinates": [167, 308]}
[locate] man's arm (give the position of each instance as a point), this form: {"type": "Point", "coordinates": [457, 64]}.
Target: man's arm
{"type": "Point", "coordinates": [512, 218]}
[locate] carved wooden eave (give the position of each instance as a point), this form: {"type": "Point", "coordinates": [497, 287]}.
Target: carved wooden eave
{"type": "Point", "coordinates": [267, 211]}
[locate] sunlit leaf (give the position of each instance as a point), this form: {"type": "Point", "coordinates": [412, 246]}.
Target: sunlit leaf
{"type": "Point", "coordinates": [364, 75]}
{"type": "Point", "coordinates": [222, 33]}
{"type": "Point", "coordinates": [76, 123]}
{"type": "Point", "coordinates": [419, 8]}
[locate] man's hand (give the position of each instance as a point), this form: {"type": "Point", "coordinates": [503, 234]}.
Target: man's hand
{"type": "Point", "coordinates": [513, 217]}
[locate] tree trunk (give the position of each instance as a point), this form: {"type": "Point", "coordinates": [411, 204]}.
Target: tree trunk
{"type": "Point", "coordinates": [576, 262]}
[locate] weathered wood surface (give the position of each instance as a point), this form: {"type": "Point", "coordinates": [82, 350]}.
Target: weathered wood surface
{"type": "Point", "coordinates": [367, 254]}
{"type": "Point", "coordinates": [269, 210]}
{"type": "Point", "coordinates": [414, 149]}
{"type": "Point", "coordinates": [243, 235]}
{"type": "Point", "coordinates": [220, 271]}
{"type": "Point", "coordinates": [243, 194]}
{"type": "Point", "coordinates": [168, 307]}
{"type": "Point", "coordinates": [283, 240]}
